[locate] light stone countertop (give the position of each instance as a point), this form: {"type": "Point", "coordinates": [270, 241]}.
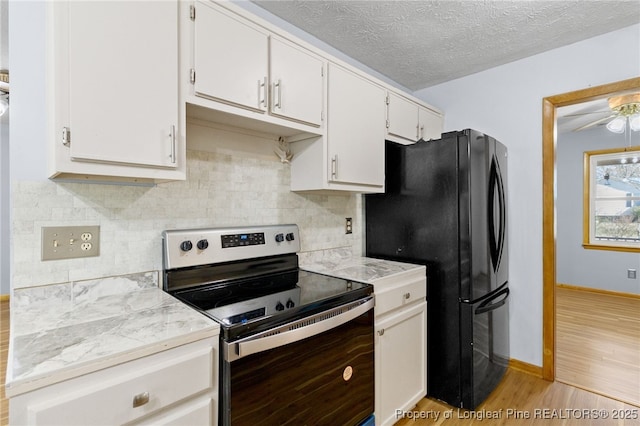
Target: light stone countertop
{"type": "Point", "coordinates": [340, 263]}
{"type": "Point", "coordinates": [65, 330]}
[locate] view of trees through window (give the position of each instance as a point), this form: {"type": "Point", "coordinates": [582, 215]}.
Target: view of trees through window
{"type": "Point", "coordinates": [617, 198]}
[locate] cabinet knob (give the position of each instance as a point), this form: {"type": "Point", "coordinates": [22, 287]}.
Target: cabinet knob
{"type": "Point", "coordinates": [140, 399]}
{"type": "Point", "coordinates": [407, 295]}
{"type": "Point", "coordinates": [380, 332]}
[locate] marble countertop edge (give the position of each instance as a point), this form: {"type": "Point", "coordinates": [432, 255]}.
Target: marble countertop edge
{"type": "Point", "coordinates": [21, 386]}
{"type": "Point", "coordinates": [364, 269]}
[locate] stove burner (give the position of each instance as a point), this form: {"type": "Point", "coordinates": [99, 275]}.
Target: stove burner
{"type": "Point", "coordinates": [217, 295]}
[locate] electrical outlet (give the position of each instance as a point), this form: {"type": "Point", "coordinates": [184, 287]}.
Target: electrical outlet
{"type": "Point", "coordinates": [348, 225]}
{"type": "Point", "coordinates": [69, 242]}
{"type": "Point", "coordinates": [631, 273]}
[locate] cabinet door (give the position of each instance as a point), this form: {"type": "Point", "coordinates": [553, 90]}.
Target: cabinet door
{"type": "Point", "coordinates": [355, 128]}
{"type": "Point", "coordinates": [401, 379]}
{"type": "Point", "coordinates": [123, 81]}
{"type": "Point", "coordinates": [296, 82]}
{"type": "Point", "coordinates": [402, 118]}
{"type": "Point", "coordinates": [231, 59]}
{"type": "Point", "coordinates": [430, 124]}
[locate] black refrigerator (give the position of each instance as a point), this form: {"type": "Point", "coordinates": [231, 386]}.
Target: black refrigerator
{"type": "Point", "coordinates": [445, 207]}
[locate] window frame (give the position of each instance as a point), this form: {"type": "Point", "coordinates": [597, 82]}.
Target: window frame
{"type": "Point", "coordinates": [589, 185]}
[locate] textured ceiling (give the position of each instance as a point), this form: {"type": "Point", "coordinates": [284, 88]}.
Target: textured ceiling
{"type": "Point", "coordinates": [422, 43]}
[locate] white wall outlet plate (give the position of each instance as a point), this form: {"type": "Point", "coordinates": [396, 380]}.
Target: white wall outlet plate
{"type": "Point", "coordinates": [69, 242]}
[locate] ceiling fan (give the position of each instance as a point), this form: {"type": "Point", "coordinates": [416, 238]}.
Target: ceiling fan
{"type": "Point", "coordinates": [623, 108]}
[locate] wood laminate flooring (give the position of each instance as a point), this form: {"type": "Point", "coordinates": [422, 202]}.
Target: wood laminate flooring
{"type": "Point", "coordinates": [598, 342]}
{"type": "Point", "coordinates": [4, 351]}
{"type": "Point", "coordinates": [524, 399]}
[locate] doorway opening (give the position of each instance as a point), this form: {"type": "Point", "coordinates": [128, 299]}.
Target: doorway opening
{"type": "Point", "coordinates": [549, 185]}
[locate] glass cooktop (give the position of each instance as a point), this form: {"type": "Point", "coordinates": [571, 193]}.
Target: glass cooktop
{"type": "Point", "coordinates": [252, 305]}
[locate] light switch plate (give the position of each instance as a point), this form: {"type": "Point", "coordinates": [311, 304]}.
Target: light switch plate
{"type": "Point", "coordinates": [70, 242]}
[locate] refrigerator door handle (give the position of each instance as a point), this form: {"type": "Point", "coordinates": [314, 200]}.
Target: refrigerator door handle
{"type": "Point", "coordinates": [491, 295]}
{"type": "Point", "coordinates": [487, 306]}
{"type": "Point", "coordinates": [496, 242]}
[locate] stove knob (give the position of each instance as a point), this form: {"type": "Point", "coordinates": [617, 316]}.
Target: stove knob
{"type": "Point", "coordinates": [290, 304]}
{"type": "Point", "coordinates": [186, 245]}
{"type": "Point", "coordinates": [202, 244]}
{"type": "Point", "coordinates": [279, 238]}
{"type": "Point", "coordinates": [290, 236]}
{"type": "Point", "coordinates": [279, 307]}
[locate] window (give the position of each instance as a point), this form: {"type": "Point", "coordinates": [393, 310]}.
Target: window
{"type": "Point", "coordinates": [612, 199]}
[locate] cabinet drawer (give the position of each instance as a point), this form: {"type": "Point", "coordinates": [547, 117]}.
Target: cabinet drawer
{"type": "Point", "coordinates": [126, 392]}
{"type": "Point", "coordinates": [392, 297]}
{"type": "Point", "coordinates": [199, 412]}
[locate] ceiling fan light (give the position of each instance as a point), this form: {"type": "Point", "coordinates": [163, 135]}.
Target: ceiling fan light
{"type": "Point", "coordinates": [617, 125]}
{"type": "Point", "coordinates": [634, 122]}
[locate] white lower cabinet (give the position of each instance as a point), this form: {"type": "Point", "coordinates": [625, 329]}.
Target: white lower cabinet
{"type": "Point", "coordinates": [400, 349]}
{"type": "Point", "coordinates": [174, 387]}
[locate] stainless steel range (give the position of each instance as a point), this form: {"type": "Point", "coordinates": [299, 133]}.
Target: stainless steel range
{"type": "Point", "coordinates": [295, 347]}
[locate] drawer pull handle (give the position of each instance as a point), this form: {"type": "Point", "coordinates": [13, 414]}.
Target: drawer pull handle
{"type": "Point", "coordinates": [381, 332]}
{"type": "Point", "coordinates": [407, 295]}
{"type": "Point", "coordinates": [140, 399]}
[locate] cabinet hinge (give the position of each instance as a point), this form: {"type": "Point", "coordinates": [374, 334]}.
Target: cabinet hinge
{"type": "Point", "coordinates": [387, 124]}
{"type": "Point", "coordinates": [321, 71]}
{"type": "Point", "coordinates": [192, 76]}
{"type": "Point", "coordinates": [386, 100]}
{"type": "Point", "coordinates": [66, 136]}
{"type": "Point", "coordinates": [192, 12]}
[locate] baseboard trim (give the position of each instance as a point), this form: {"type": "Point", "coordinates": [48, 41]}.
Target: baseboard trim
{"type": "Point", "coordinates": [4, 297]}
{"type": "Point", "coordinates": [597, 290]}
{"type": "Point", "coordinates": [525, 367]}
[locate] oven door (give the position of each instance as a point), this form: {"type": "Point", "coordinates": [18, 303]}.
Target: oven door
{"type": "Point", "coordinates": [317, 370]}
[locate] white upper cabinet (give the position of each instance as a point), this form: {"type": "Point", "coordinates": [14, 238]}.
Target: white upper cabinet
{"type": "Point", "coordinates": [408, 121]}
{"type": "Point", "coordinates": [430, 124]}
{"type": "Point", "coordinates": [355, 129]}
{"type": "Point", "coordinates": [402, 118]}
{"type": "Point", "coordinates": [297, 82]}
{"type": "Point", "coordinates": [239, 63]}
{"type": "Point", "coordinates": [231, 59]}
{"type": "Point", "coordinates": [350, 157]}
{"type": "Point", "coordinates": [115, 91]}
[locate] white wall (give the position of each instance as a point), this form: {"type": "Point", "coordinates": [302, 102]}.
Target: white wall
{"type": "Point", "coordinates": [4, 158]}
{"type": "Point", "coordinates": [602, 269]}
{"type": "Point", "coordinates": [506, 102]}
{"type": "Point", "coordinates": [4, 205]}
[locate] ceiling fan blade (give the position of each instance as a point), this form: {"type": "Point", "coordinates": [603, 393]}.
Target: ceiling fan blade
{"type": "Point", "coordinates": [594, 123]}
{"type": "Point", "coordinates": [580, 114]}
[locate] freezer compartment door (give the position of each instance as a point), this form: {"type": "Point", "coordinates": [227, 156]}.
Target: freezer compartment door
{"type": "Point", "coordinates": [485, 346]}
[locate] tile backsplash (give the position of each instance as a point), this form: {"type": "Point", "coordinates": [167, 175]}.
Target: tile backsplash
{"type": "Point", "coordinates": [223, 188]}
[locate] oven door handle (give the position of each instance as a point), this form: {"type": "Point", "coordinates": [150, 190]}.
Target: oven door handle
{"type": "Point", "coordinates": [255, 344]}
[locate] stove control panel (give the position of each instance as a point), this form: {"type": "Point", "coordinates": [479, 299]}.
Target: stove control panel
{"type": "Point", "coordinates": [245, 239]}
{"type": "Point", "coordinates": [206, 246]}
